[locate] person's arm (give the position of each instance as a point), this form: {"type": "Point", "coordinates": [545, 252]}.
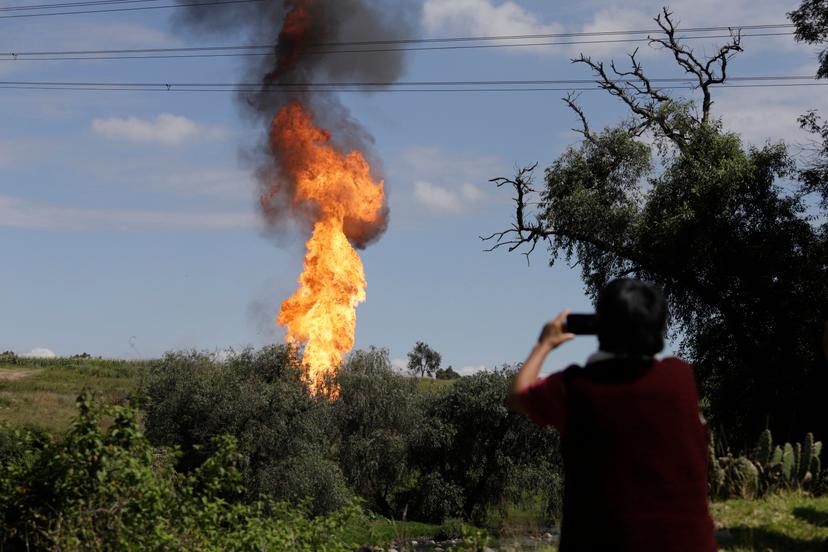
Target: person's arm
{"type": "Point", "coordinates": [551, 337]}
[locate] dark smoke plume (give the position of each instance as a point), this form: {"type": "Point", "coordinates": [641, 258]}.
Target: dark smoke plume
{"type": "Point", "coordinates": [304, 34]}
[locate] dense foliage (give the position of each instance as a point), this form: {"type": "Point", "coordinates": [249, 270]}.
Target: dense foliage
{"type": "Point", "coordinates": [472, 454]}
{"type": "Point", "coordinates": [110, 489]}
{"type": "Point", "coordinates": [409, 452]}
{"type": "Point", "coordinates": [286, 437]}
{"type": "Point", "coordinates": [811, 23]}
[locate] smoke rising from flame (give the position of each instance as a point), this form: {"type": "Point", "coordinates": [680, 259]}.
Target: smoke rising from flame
{"type": "Point", "coordinates": [325, 179]}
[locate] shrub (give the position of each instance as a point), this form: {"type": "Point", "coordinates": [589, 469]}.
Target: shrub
{"type": "Point", "coordinates": [376, 411]}
{"type": "Point", "coordinates": [98, 489]}
{"type": "Point", "coordinates": [285, 436]}
{"type": "Point", "coordinates": [473, 454]}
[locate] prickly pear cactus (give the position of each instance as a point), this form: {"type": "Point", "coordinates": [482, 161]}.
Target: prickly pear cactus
{"type": "Point", "coordinates": [764, 448]}
{"type": "Point", "coordinates": [715, 472]}
{"type": "Point", "coordinates": [797, 460]}
{"type": "Point", "coordinates": [776, 457]}
{"type": "Point", "coordinates": [806, 458]}
{"type": "Point", "coordinates": [742, 478]}
{"type": "Point", "coordinates": [787, 462]}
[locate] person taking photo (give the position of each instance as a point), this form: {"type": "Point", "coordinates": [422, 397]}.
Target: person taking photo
{"type": "Point", "coordinates": [633, 442]}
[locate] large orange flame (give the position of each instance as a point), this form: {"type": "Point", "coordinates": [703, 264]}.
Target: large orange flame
{"type": "Point", "coordinates": [322, 312]}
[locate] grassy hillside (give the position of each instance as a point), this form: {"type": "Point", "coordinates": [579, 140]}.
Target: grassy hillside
{"type": "Point", "coordinates": [41, 393]}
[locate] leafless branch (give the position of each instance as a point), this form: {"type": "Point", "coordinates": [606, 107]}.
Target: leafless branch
{"type": "Point", "coordinates": [521, 231]}
{"type": "Point", "coordinates": [571, 100]}
{"type": "Point", "coordinates": [705, 73]}
{"type": "Point", "coordinates": [641, 97]}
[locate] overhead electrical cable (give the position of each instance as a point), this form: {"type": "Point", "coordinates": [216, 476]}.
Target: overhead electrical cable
{"type": "Point", "coordinates": [413, 90]}
{"type": "Point", "coordinates": [254, 86]}
{"type": "Point", "coordinates": [73, 4]}
{"type": "Point", "coordinates": [310, 89]}
{"type": "Point", "coordinates": [137, 8]}
{"type": "Point", "coordinates": [75, 55]}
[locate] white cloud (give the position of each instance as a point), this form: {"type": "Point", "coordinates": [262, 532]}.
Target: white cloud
{"type": "Point", "coordinates": [761, 114]}
{"type": "Point", "coordinates": [483, 18]}
{"type": "Point", "coordinates": [437, 198]}
{"type": "Point", "coordinates": [40, 352]}
{"type": "Point", "coordinates": [443, 200]}
{"type": "Point", "coordinates": [471, 370]}
{"type": "Point", "coordinates": [399, 364]}
{"type": "Point", "coordinates": [614, 19]}
{"type": "Point", "coordinates": [211, 182]}
{"type": "Point", "coordinates": [435, 164]}
{"type": "Point", "coordinates": [166, 129]}
{"type": "Point", "coordinates": [21, 213]}
{"type": "Point", "coordinates": [447, 182]}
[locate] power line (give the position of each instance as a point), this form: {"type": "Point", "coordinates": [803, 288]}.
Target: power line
{"type": "Point", "coordinates": [72, 4]}
{"type": "Point", "coordinates": [331, 90]}
{"type": "Point", "coordinates": [314, 85]}
{"type": "Point", "coordinates": [76, 55]}
{"type": "Point", "coordinates": [554, 35]}
{"type": "Point", "coordinates": [138, 8]}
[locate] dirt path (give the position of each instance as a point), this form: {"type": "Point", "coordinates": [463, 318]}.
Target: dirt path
{"type": "Point", "coordinates": [14, 375]}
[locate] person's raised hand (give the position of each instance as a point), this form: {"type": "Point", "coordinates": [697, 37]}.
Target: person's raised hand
{"type": "Point", "coordinates": [553, 334]}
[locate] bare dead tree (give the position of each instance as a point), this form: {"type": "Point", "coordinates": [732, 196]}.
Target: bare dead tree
{"type": "Point", "coordinates": [704, 72]}
{"type": "Point", "coordinates": [521, 231]}
{"type": "Point", "coordinates": [650, 106]}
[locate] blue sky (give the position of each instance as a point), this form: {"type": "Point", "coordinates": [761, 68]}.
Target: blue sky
{"type": "Point", "coordinates": [128, 220]}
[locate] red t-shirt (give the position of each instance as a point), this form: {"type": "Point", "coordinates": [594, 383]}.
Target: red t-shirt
{"type": "Point", "coordinates": [634, 451]}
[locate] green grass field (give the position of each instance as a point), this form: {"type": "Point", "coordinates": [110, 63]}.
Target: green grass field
{"type": "Point", "coordinates": [41, 393]}
{"type": "Point", "coordinates": [790, 522]}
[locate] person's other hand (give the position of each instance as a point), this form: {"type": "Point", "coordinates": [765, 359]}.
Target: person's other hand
{"type": "Point", "coordinates": [553, 334]}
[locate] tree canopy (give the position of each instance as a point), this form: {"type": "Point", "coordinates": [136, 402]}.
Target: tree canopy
{"type": "Point", "coordinates": [727, 230]}
{"type": "Point", "coordinates": [423, 360]}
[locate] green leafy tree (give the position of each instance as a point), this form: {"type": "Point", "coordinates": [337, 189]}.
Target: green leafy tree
{"type": "Point", "coordinates": [671, 197]}
{"type": "Point", "coordinates": [811, 22]}
{"type": "Point", "coordinates": [446, 374]}
{"type": "Point", "coordinates": [423, 360]}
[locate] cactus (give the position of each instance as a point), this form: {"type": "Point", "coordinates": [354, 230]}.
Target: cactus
{"type": "Point", "coordinates": [715, 472]}
{"type": "Point", "coordinates": [797, 460]}
{"type": "Point", "coordinates": [806, 458]}
{"type": "Point", "coordinates": [787, 462]}
{"type": "Point", "coordinates": [764, 448]}
{"type": "Point", "coordinates": [745, 478]}
{"type": "Point", "coordinates": [776, 458]}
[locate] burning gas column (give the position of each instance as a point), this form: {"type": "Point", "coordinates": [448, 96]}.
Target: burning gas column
{"type": "Point", "coordinates": [322, 312]}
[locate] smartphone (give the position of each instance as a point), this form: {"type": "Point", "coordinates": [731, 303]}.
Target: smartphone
{"type": "Point", "coordinates": [581, 324]}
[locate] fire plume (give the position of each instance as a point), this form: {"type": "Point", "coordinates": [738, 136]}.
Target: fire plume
{"type": "Point", "coordinates": [339, 190]}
